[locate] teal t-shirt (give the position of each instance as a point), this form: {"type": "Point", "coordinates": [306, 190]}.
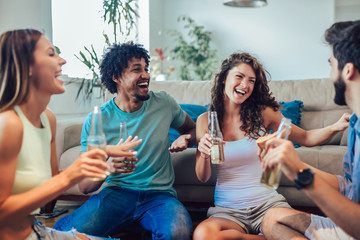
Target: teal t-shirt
{"type": "Point", "coordinates": [150, 123]}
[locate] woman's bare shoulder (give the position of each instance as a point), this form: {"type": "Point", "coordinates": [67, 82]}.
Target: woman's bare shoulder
{"type": "Point", "coordinates": [203, 115]}
{"type": "Point", "coordinates": [10, 119]}
{"type": "Point", "coordinates": [271, 118]}
{"type": "Point", "coordinates": [202, 119]}
{"type": "Point", "coordinates": [11, 130]}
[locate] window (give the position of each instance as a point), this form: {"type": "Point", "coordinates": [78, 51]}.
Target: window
{"type": "Point", "coordinates": [78, 24]}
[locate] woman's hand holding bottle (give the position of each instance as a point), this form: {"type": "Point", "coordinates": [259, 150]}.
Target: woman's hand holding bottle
{"type": "Point", "coordinates": [204, 146]}
{"type": "Point", "coordinates": [88, 165]}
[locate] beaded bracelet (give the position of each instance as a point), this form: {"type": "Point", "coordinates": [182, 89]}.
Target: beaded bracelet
{"type": "Point", "coordinates": [206, 158]}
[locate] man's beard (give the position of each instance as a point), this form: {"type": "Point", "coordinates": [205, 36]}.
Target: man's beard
{"type": "Point", "coordinates": [340, 88]}
{"type": "Point", "coordinates": [142, 97]}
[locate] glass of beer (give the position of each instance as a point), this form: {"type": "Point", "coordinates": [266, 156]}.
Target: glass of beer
{"type": "Point", "coordinates": [124, 135]}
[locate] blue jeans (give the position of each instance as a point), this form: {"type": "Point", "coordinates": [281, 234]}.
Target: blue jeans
{"type": "Point", "coordinates": [115, 208]}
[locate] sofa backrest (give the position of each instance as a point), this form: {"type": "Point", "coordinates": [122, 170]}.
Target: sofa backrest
{"type": "Point", "coordinates": [189, 92]}
{"type": "Point", "coordinates": [316, 94]}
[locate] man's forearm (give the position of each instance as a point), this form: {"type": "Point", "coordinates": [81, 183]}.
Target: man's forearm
{"type": "Point", "coordinates": [192, 140]}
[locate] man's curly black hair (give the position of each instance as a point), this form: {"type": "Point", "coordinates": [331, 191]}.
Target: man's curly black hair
{"type": "Point", "coordinates": [251, 109]}
{"type": "Point", "coordinates": [116, 59]}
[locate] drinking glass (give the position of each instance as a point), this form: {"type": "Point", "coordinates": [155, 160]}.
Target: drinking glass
{"type": "Point", "coordinates": [124, 136]}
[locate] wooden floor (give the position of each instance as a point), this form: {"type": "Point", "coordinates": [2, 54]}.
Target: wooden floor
{"type": "Point", "coordinates": [50, 222]}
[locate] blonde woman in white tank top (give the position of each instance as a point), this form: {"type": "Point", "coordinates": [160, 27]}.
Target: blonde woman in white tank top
{"type": "Point", "coordinates": [246, 110]}
{"type": "Point", "coordinates": [30, 178]}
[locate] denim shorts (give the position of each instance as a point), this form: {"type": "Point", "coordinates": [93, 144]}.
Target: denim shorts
{"type": "Point", "coordinates": [345, 187]}
{"type": "Point", "coordinates": [249, 219]}
{"type": "Point", "coordinates": [45, 233]}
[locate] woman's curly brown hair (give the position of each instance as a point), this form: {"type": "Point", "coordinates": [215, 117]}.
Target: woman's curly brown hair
{"type": "Point", "coordinates": [251, 109]}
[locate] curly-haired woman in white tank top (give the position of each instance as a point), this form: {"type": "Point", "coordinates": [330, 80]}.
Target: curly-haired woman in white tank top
{"type": "Point", "coordinates": [246, 110]}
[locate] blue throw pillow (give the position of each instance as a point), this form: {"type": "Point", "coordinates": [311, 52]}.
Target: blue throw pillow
{"type": "Point", "coordinates": [194, 112]}
{"type": "Point", "coordinates": [293, 111]}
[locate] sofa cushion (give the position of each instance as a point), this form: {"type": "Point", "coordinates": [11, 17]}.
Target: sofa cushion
{"type": "Point", "coordinates": [343, 141]}
{"type": "Point", "coordinates": [72, 136]}
{"type": "Point", "coordinates": [66, 159]}
{"type": "Point", "coordinates": [190, 92]}
{"type": "Point", "coordinates": [194, 112]}
{"type": "Point", "coordinates": [184, 168]}
{"type": "Point", "coordinates": [320, 119]}
{"type": "Point", "coordinates": [328, 158]}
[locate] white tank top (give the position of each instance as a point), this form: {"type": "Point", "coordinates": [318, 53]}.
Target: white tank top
{"type": "Point", "coordinates": [238, 178]}
{"type": "Point", "coordinates": [33, 163]}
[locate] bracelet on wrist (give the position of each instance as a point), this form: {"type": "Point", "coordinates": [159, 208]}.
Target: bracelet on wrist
{"type": "Point", "coordinates": [206, 158]}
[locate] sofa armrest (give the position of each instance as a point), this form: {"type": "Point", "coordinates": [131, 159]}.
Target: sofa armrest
{"type": "Point", "coordinates": [68, 134]}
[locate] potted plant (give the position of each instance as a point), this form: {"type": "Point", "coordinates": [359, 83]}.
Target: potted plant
{"type": "Point", "coordinates": [157, 66]}
{"type": "Point", "coordinates": [197, 59]}
{"type": "Point", "coordinates": [122, 15]}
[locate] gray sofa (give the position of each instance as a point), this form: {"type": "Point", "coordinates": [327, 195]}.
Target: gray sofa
{"type": "Point", "coordinates": [319, 111]}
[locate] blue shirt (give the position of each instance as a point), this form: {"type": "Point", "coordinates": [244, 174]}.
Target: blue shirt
{"type": "Point", "coordinates": [150, 123]}
{"type": "Point", "coordinates": [351, 164]}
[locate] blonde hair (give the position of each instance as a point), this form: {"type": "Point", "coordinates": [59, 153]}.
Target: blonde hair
{"type": "Point", "coordinates": [16, 56]}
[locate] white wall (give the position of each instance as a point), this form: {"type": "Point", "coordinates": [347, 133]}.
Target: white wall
{"type": "Point", "coordinates": [286, 35]}
{"type": "Point", "coordinates": [144, 23]}
{"type": "Point", "coordinates": [347, 10]}
{"type": "Point", "coordinates": [66, 106]}
{"type": "Point", "coordinates": [16, 14]}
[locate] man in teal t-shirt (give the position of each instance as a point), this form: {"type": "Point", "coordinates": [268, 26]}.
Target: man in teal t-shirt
{"type": "Point", "coordinates": [146, 196]}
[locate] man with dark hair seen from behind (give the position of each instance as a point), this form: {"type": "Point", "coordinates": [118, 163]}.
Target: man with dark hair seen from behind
{"type": "Point", "coordinates": [337, 196]}
{"type": "Point", "coordinates": [145, 196]}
